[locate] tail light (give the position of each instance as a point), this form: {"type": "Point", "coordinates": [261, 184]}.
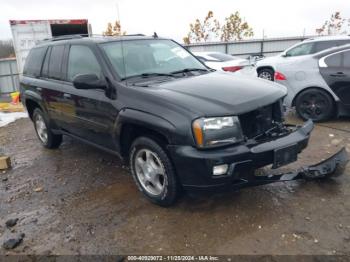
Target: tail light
{"type": "Point", "coordinates": [232, 68]}
{"type": "Point", "coordinates": [280, 76]}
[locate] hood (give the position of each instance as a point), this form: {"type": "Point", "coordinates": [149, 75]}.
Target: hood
{"type": "Point", "coordinates": [220, 93]}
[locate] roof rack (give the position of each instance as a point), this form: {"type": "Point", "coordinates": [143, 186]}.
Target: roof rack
{"type": "Point", "coordinates": [65, 37]}
{"type": "Point", "coordinates": [78, 36]}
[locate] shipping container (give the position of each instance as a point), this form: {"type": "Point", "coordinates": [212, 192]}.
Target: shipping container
{"type": "Point", "coordinates": [27, 33]}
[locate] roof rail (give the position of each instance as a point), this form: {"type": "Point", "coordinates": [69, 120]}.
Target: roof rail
{"type": "Point", "coordinates": [65, 37]}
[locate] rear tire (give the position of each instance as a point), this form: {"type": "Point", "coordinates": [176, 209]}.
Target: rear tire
{"type": "Point", "coordinates": [153, 172]}
{"type": "Point", "coordinates": [43, 131]}
{"type": "Point", "coordinates": [266, 73]}
{"type": "Point", "coordinates": [314, 104]}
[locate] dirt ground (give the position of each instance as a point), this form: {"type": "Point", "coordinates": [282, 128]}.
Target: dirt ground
{"type": "Point", "coordinates": [80, 200]}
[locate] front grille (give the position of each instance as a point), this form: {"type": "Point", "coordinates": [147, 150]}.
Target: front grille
{"type": "Point", "coordinates": [257, 122]}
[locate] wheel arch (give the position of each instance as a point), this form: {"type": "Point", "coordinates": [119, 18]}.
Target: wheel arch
{"type": "Point", "coordinates": [133, 123]}
{"type": "Point", "coordinates": [313, 87]}
{"type": "Point", "coordinates": [264, 67]}
{"type": "Point", "coordinates": [31, 104]}
{"type": "Point", "coordinates": [336, 109]}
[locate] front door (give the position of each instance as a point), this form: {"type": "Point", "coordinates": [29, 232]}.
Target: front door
{"type": "Point", "coordinates": [88, 119]}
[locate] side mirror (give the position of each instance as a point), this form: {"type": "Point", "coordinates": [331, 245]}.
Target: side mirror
{"type": "Point", "coordinates": [88, 81]}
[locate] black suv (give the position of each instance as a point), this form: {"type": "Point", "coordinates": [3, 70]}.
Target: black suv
{"type": "Point", "coordinates": [180, 124]}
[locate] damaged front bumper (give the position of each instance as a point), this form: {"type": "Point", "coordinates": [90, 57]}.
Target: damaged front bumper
{"type": "Point", "coordinates": [195, 167]}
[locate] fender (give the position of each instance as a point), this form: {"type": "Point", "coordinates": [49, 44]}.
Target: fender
{"type": "Point", "coordinates": [147, 120]}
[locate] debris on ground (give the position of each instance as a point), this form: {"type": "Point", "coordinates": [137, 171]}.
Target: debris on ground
{"type": "Point", "coordinates": [5, 162]}
{"type": "Point", "coordinates": [13, 242]}
{"type": "Point", "coordinates": [38, 189]}
{"type": "Point", "coordinates": [11, 222]}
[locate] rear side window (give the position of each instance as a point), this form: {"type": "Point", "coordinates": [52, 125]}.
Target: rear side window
{"type": "Point", "coordinates": [82, 61]}
{"type": "Point", "coordinates": [55, 63]}
{"type": "Point", "coordinates": [334, 60]}
{"type": "Point", "coordinates": [34, 62]}
{"type": "Point", "coordinates": [323, 45]}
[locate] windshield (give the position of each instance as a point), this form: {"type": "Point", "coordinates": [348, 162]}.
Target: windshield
{"type": "Point", "coordinates": [154, 56]}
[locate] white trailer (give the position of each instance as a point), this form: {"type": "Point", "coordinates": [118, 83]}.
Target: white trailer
{"type": "Point", "coordinates": [27, 33]}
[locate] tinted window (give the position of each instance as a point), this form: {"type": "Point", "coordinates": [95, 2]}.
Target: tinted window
{"type": "Point", "coordinates": [34, 61]}
{"type": "Point", "coordinates": [45, 70]}
{"type": "Point", "coordinates": [82, 61]}
{"type": "Point", "coordinates": [320, 46]}
{"type": "Point", "coordinates": [346, 59]}
{"type": "Point", "coordinates": [334, 60]}
{"type": "Point", "coordinates": [55, 63]}
{"type": "Point", "coordinates": [303, 49]}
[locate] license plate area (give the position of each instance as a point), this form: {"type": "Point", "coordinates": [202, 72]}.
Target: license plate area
{"type": "Point", "coordinates": [285, 155]}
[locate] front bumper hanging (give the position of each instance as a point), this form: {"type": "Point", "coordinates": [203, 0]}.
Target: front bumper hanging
{"type": "Point", "coordinates": [331, 167]}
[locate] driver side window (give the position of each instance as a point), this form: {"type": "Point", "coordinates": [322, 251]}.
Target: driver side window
{"type": "Point", "coordinates": [82, 61]}
{"type": "Point", "coordinates": [303, 49]}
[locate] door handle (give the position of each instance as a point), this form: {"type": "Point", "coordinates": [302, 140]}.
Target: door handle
{"type": "Point", "coordinates": [67, 95]}
{"type": "Point", "coordinates": [338, 74]}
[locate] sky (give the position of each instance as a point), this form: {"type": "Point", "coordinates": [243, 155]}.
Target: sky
{"type": "Point", "coordinates": [171, 18]}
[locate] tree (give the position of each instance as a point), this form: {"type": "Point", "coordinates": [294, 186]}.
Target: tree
{"type": "Point", "coordinates": [114, 30]}
{"type": "Point", "coordinates": [336, 25]}
{"type": "Point", "coordinates": [203, 30]}
{"type": "Point", "coordinates": [235, 28]}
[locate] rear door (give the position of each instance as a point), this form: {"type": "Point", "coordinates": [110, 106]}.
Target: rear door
{"type": "Point", "coordinates": [53, 91]}
{"type": "Point", "coordinates": [335, 69]}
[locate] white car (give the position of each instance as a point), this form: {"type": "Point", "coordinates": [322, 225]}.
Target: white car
{"type": "Point", "coordinates": [224, 62]}
{"type": "Point", "coordinates": [266, 68]}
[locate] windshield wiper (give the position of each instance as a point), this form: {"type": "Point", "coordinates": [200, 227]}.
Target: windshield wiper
{"type": "Point", "coordinates": [186, 70]}
{"type": "Point", "coordinates": [146, 75]}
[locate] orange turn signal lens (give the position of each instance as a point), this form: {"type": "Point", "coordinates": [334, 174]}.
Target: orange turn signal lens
{"type": "Point", "coordinates": [198, 133]}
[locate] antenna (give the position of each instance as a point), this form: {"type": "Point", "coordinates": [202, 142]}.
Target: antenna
{"type": "Point", "coordinates": [121, 42]}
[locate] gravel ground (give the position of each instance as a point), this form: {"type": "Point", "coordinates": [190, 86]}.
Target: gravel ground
{"type": "Point", "coordinates": [80, 200]}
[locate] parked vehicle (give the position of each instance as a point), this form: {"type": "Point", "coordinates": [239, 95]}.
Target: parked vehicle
{"type": "Point", "coordinates": [318, 85]}
{"type": "Point", "coordinates": [148, 100]}
{"type": "Point", "coordinates": [26, 33]}
{"type": "Point", "coordinates": [224, 62]}
{"type": "Point", "coordinates": [266, 68]}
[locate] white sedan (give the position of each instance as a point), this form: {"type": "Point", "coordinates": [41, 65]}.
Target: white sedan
{"type": "Point", "coordinates": [225, 62]}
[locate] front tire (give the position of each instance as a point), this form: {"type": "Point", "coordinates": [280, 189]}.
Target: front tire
{"type": "Point", "coordinates": [153, 171]}
{"type": "Point", "coordinates": [266, 73]}
{"type": "Point", "coordinates": [314, 104]}
{"type": "Point", "coordinates": [43, 131]}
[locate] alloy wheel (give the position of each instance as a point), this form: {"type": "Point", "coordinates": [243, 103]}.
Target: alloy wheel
{"type": "Point", "coordinates": [41, 128]}
{"type": "Point", "coordinates": [150, 171]}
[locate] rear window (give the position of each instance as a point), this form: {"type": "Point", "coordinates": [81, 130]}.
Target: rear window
{"type": "Point", "coordinates": [55, 63]}
{"type": "Point", "coordinates": [34, 62]}
{"type": "Point", "coordinates": [222, 57]}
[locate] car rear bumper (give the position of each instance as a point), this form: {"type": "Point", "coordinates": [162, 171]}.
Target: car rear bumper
{"type": "Point", "coordinates": [195, 167]}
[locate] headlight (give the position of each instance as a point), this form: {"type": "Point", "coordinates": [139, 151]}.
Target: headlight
{"type": "Point", "coordinates": [217, 131]}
